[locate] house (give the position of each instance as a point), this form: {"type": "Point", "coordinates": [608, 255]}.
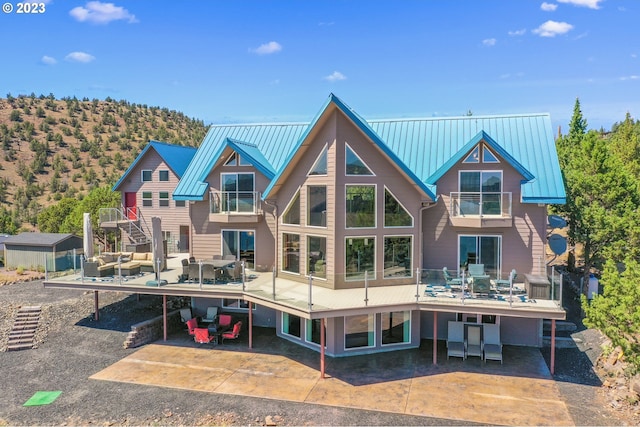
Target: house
{"type": "Point", "coordinates": [60, 251]}
{"type": "Point", "coordinates": [355, 203]}
{"type": "Point", "coordinates": [146, 188]}
{"type": "Point", "coordinates": [345, 226]}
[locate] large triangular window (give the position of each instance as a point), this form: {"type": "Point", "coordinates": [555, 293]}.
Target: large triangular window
{"type": "Point", "coordinates": [474, 156]}
{"type": "Point", "coordinates": [354, 164]}
{"type": "Point", "coordinates": [292, 213]}
{"type": "Point", "coordinates": [395, 215]}
{"type": "Point", "coordinates": [232, 161]}
{"type": "Point", "coordinates": [320, 165]}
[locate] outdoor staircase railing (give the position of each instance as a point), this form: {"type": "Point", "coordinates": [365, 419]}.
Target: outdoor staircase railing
{"type": "Point", "coordinates": [128, 219]}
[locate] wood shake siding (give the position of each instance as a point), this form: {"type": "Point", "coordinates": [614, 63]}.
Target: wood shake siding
{"type": "Point", "coordinates": [172, 216]}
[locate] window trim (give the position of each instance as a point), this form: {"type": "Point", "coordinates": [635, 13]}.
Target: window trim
{"type": "Point", "coordinates": [286, 209]}
{"type": "Point", "coordinates": [325, 152]}
{"type": "Point", "coordinates": [382, 344]}
{"type": "Point", "coordinates": [403, 207]}
{"type": "Point", "coordinates": [165, 199]}
{"type": "Point", "coordinates": [412, 257]}
{"type": "Point", "coordinates": [149, 199]}
{"type": "Point", "coordinates": [282, 253]}
{"type": "Point", "coordinates": [375, 332]}
{"type": "Point", "coordinates": [346, 245]}
{"type": "Point", "coordinates": [150, 172]}
{"type": "Point", "coordinates": [375, 206]}
{"type": "Point", "coordinates": [307, 255]}
{"type": "Point", "coordinates": [160, 172]}
{"type": "Point", "coordinates": [307, 211]}
{"type": "Point", "coordinates": [346, 145]}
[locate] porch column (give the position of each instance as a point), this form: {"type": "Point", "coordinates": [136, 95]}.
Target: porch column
{"type": "Point", "coordinates": [164, 316]}
{"type": "Point", "coordinates": [553, 346]}
{"type": "Point", "coordinates": [96, 314]}
{"type": "Point", "coordinates": [250, 324]}
{"type": "Point", "coordinates": [322, 342]}
{"type": "Point", "coordinates": [435, 337]}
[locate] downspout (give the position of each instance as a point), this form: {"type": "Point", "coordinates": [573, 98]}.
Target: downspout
{"type": "Point", "coordinates": [275, 243]}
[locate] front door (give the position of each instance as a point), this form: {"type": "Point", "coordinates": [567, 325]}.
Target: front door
{"type": "Point", "coordinates": [183, 243]}
{"type": "Point", "coordinates": [241, 244]}
{"type": "Point", "coordinates": [130, 206]}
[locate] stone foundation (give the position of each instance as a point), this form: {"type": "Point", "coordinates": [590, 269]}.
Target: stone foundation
{"type": "Point", "coordinates": [151, 330]}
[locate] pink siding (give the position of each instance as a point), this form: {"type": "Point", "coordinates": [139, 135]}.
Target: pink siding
{"type": "Point", "coordinates": [172, 216]}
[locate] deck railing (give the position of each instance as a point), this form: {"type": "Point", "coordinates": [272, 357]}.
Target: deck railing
{"type": "Point", "coordinates": [480, 204]}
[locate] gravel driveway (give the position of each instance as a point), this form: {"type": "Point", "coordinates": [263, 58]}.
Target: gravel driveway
{"type": "Point", "coordinates": [71, 347]}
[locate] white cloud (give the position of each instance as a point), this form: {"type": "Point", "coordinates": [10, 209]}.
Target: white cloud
{"type": "Point", "coordinates": [517, 32]}
{"type": "Point", "coordinates": [101, 13]}
{"type": "Point", "coordinates": [489, 42]}
{"type": "Point", "coordinates": [632, 77]}
{"type": "Point", "coordinates": [591, 4]}
{"type": "Point", "coordinates": [48, 60]}
{"type": "Point", "coordinates": [552, 29]}
{"type": "Point", "coordinates": [335, 76]}
{"type": "Point", "coordinates": [267, 48]}
{"type": "Point", "coordinates": [548, 7]}
{"type": "Point", "coordinates": [79, 57]}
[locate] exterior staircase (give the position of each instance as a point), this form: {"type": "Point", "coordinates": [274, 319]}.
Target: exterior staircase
{"type": "Point", "coordinates": [24, 328]}
{"type": "Point", "coordinates": [130, 225]}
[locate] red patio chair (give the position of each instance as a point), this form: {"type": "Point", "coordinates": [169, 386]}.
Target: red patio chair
{"type": "Point", "coordinates": [224, 321]}
{"type": "Point", "coordinates": [192, 324]}
{"type": "Point", "coordinates": [235, 333]}
{"type": "Point", "coordinates": [201, 336]}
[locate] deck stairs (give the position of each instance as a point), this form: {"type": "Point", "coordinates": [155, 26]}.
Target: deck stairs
{"type": "Point", "coordinates": [24, 328]}
{"type": "Point", "coordinates": [132, 226]}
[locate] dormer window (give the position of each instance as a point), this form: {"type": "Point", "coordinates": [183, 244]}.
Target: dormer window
{"type": "Point", "coordinates": [476, 156]}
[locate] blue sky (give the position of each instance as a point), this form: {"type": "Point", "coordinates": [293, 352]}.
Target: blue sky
{"type": "Point", "coordinates": [247, 61]}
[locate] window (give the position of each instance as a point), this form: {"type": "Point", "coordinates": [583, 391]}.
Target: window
{"type": "Point", "coordinates": [317, 205]}
{"type": "Point", "coordinates": [237, 304]}
{"type": "Point", "coordinates": [291, 253]}
{"type": "Point", "coordinates": [396, 327]}
{"type": "Point", "coordinates": [395, 215]}
{"type": "Point", "coordinates": [243, 162]}
{"type": "Point", "coordinates": [481, 250]}
{"type": "Point", "coordinates": [231, 161]}
{"type": "Point", "coordinates": [474, 156]}
{"type": "Point", "coordinates": [164, 198]}
{"type": "Point", "coordinates": [291, 324]}
{"type": "Point", "coordinates": [240, 244]}
{"type": "Point", "coordinates": [397, 257]}
{"type": "Point", "coordinates": [480, 192]}
{"type": "Point", "coordinates": [313, 331]}
{"type": "Point", "coordinates": [354, 164]}
{"type": "Point", "coordinates": [316, 250]}
{"type": "Point", "coordinates": [360, 258]}
{"type": "Point", "coordinates": [488, 156]}
{"type": "Point", "coordinates": [237, 192]}
{"type": "Point", "coordinates": [180, 204]}
{"type": "Point", "coordinates": [147, 199]}
{"type": "Point", "coordinates": [146, 175]}
{"type": "Point", "coordinates": [164, 175]}
{"type": "Point", "coordinates": [360, 206]}
{"type": "Point", "coordinates": [320, 165]}
{"type": "Point", "coordinates": [292, 214]}
{"type": "Point", "coordinates": [359, 331]}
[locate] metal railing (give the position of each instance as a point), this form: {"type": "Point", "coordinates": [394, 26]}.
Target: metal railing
{"type": "Point", "coordinates": [126, 219]}
{"type": "Point", "coordinates": [234, 202]}
{"type": "Point", "coordinates": [481, 204]}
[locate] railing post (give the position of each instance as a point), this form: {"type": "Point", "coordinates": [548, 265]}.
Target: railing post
{"type": "Point", "coordinates": [159, 263]}
{"type": "Point", "coordinates": [200, 273]}
{"type": "Point", "coordinates": [511, 289]}
{"type": "Point", "coordinates": [274, 283]}
{"type": "Point", "coordinates": [243, 274]}
{"type": "Point", "coordinates": [417, 284]}
{"type": "Point", "coordinates": [463, 285]}
{"type": "Point", "coordinates": [310, 292]}
{"type": "Point", "coordinates": [366, 288]}
{"type": "Point", "coordinates": [120, 269]}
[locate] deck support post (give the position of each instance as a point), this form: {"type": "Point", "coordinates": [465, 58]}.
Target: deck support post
{"type": "Point", "coordinates": [96, 314]}
{"type": "Point", "coordinates": [250, 325]}
{"type": "Point", "coordinates": [164, 315]}
{"type": "Point", "coordinates": [553, 346]}
{"type": "Point", "coordinates": [435, 337]}
{"type": "Point", "coordinates": [322, 343]}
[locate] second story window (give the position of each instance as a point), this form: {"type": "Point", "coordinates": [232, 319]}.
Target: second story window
{"type": "Point", "coordinates": [238, 192]}
{"type": "Point", "coordinates": [147, 199]}
{"type": "Point", "coordinates": [317, 205]}
{"type": "Point", "coordinates": [360, 206]}
{"type": "Point", "coordinates": [480, 192]}
{"type": "Point", "coordinates": [164, 175]}
{"type": "Point", "coordinates": [163, 199]}
{"type": "Point", "coordinates": [147, 175]}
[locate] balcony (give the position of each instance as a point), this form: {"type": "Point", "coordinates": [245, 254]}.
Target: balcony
{"type": "Point", "coordinates": [478, 210]}
{"type": "Point", "coordinates": [235, 207]}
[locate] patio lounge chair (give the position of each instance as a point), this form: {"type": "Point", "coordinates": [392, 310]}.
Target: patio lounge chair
{"type": "Point", "coordinates": [192, 324]}
{"type": "Point", "coordinates": [476, 270]}
{"type": "Point", "coordinates": [208, 273]}
{"type": "Point", "coordinates": [202, 336]}
{"type": "Point", "coordinates": [212, 313]}
{"type": "Point", "coordinates": [224, 321]}
{"type": "Point", "coordinates": [455, 340]}
{"type": "Point", "coordinates": [185, 314]}
{"type": "Point", "coordinates": [234, 334]}
{"type": "Point", "coordinates": [480, 285]}
{"type": "Point", "coordinates": [473, 344]}
{"type": "Point", "coordinates": [492, 343]}
{"type": "Point", "coordinates": [502, 285]}
{"type": "Point", "coordinates": [452, 282]}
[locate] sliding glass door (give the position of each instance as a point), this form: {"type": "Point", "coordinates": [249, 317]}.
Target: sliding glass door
{"type": "Point", "coordinates": [481, 250]}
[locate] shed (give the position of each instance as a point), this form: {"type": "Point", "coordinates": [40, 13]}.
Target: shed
{"type": "Point", "coordinates": [30, 250]}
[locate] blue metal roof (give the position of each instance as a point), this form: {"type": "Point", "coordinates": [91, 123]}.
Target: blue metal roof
{"type": "Point", "coordinates": [177, 157]}
{"type": "Point", "coordinates": [424, 148]}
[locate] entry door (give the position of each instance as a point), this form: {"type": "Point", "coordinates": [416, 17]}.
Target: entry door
{"type": "Point", "coordinates": [241, 244]}
{"type": "Point", "coordinates": [130, 206]}
{"type": "Point", "coordinates": [183, 243]}
{"type": "Point", "coordinates": [481, 250]}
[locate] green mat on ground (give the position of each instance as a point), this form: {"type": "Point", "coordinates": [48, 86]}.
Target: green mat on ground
{"type": "Point", "coordinates": [42, 398]}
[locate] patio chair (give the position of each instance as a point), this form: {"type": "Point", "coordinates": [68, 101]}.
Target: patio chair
{"type": "Point", "coordinates": [473, 344]}
{"type": "Point", "coordinates": [192, 324]}
{"type": "Point", "coordinates": [185, 271]}
{"type": "Point", "coordinates": [212, 313]}
{"type": "Point", "coordinates": [476, 270]}
{"type": "Point", "coordinates": [208, 273]}
{"type": "Point", "coordinates": [194, 272]}
{"type": "Point", "coordinates": [229, 257]}
{"type": "Point", "coordinates": [455, 339]}
{"type": "Point", "coordinates": [234, 334]}
{"type": "Point", "coordinates": [201, 336]}
{"type": "Point", "coordinates": [492, 343]}
{"type": "Point", "coordinates": [452, 282]}
{"type": "Point", "coordinates": [224, 321]}
{"type": "Point", "coordinates": [234, 271]}
{"type": "Point", "coordinates": [480, 285]}
{"type": "Point", "coordinates": [185, 314]}
{"type": "Point", "coordinates": [502, 285]}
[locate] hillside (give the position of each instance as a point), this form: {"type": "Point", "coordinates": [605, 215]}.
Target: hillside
{"type": "Point", "coordinates": [54, 148]}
